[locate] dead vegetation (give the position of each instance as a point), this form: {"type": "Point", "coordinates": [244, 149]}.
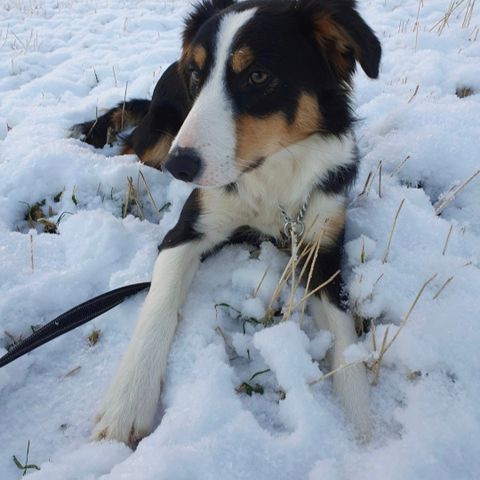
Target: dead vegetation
{"type": "Point", "coordinates": [94, 337]}
{"type": "Point", "coordinates": [464, 92]}
{"type": "Point", "coordinates": [449, 196]}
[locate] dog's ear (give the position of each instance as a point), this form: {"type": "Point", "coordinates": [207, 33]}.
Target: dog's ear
{"type": "Point", "coordinates": [342, 35]}
{"type": "Point", "coordinates": [201, 13]}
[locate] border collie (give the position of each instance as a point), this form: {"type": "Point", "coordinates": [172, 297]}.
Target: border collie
{"type": "Point", "coordinates": [257, 114]}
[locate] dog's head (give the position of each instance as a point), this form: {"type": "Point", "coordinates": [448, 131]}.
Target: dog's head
{"type": "Point", "coordinates": [263, 75]}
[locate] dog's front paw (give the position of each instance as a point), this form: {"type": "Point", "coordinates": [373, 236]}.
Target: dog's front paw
{"type": "Point", "coordinates": [127, 413]}
{"type": "Point", "coordinates": [122, 426]}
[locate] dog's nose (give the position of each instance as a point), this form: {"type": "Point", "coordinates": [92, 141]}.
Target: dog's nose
{"type": "Point", "coordinates": [184, 164]}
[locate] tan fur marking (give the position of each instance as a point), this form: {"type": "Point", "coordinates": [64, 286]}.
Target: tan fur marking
{"type": "Point", "coordinates": [334, 227]}
{"type": "Point", "coordinates": [186, 54]}
{"type": "Point", "coordinates": [308, 118]}
{"type": "Point", "coordinates": [155, 156]}
{"type": "Point", "coordinates": [127, 150]}
{"type": "Point", "coordinates": [335, 41]}
{"type": "Point", "coordinates": [241, 59]}
{"type": "Point", "coordinates": [261, 137]}
{"type": "Point", "coordinates": [329, 229]}
{"type": "Point", "coordinates": [200, 56]}
{"type": "Point", "coordinates": [122, 119]}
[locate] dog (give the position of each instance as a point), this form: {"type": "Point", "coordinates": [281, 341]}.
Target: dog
{"type": "Point", "coordinates": [257, 114]}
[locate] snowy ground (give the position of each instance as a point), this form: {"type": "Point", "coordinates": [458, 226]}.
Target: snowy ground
{"type": "Point", "coordinates": [62, 59]}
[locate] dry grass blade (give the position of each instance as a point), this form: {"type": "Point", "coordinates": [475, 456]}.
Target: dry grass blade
{"type": "Point", "coordinates": [443, 22]}
{"type": "Point", "coordinates": [468, 14]}
{"type": "Point", "coordinates": [452, 193]}
{"type": "Point", "coordinates": [377, 280]}
{"type": "Point", "coordinates": [293, 281]}
{"type": "Point", "coordinates": [400, 166]}
{"type": "Point", "coordinates": [333, 372]}
{"type": "Point", "coordinates": [308, 251]}
{"type": "Point", "coordinates": [260, 283]}
{"type": "Point", "coordinates": [231, 352]}
{"type": "Point", "coordinates": [73, 371]}
{"type": "Point", "coordinates": [386, 345]}
{"type": "Point", "coordinates": [414, 94]}
{"type": "Point", "coordinates": [126, 203]}
{"type": "Point", "coordinates": [304, 251]}
{"type": "Point", "coordinates": [31, 254]}
{"type": "Point", "coordinates": [90, 131]}
{"type": "Point", "coordinates": [416, 26]}
{"type": "Point", "coordinates": [150, 196]}
{"type": "Point", "coordinates": [114, 76]}
{"type": "Point", "coordinates": [380, 167]}
{"type": "Point", "coordinates": [378, 363]}
{"type": "Point", "coordinates": [131, 195]}
{"type": "Point", "coordinates": [442, 288]}
{"type": "Point", "coordinates": [387, 250]}
{"type": "Point", "coordinates": [281, 282]}
{"type": "Point", "coordinates": [313, 262]}
{"type": "Point", "coordinates": [367, 185]}
{"type": "Point", "coordinates": [447, 239]}
{"type": "Point", "coordinates": [373, 327]}
{"type": "Point", "coordinates": [410, 310]}
{"type": "Point", "coordinates": [317, 289]}
{"type": "Point", "coordinates": [286, 274]}
{"type": "Point", "coordinates": [474, 35]}
{"type": "Point", "coordinates": [6, 37]}
{"type": "Point", "coordinates": [123, 105]}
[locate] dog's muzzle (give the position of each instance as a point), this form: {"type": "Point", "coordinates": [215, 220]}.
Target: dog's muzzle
{"type": "Point", "coordinates": [184, 164]}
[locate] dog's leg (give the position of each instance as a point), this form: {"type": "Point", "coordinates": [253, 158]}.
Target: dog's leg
{"type": "Point", "coordinates": [129, 407]}
{"type": "Point", "coordinates": [156, 121]}
{"type": "Point", "coordinates": [351, 383]}
{"type": "Point", "coordinates": [128, 410]}
{"type": "Point", "coordinates": [105, 128]}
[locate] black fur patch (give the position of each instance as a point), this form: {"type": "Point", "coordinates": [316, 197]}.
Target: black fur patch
{"type": "Point", "coordinates": [203, 11]}
{"type": "Point", "coordinates": [339, 179]}
{"type": "Point", "coordinates": [185, 231]}
{"type": "Point", "coordinates": [231, 188]}
{"type": "Point", "coordinates": [296, 61]}
{"type": "Point", "coordinates": [162, 116]}
{"type": "Point", "coordinates": [95, 132]}
{"type": "Point", "coordinates": [327, 263]}
{"type": "Point", "coordinates": [168, 109]}
{"type": "Point", "coordinates": [243, 234]}
{"type": "Point", "coordinates": [255, 164]}
{"type": "Point", "coordinates": [246, 234]}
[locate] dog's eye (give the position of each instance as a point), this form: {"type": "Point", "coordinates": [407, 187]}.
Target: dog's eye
{"type": "Point", "coordinates": [258, 78]}
{"type": "Point", "coordinates": [195, 76]}
{"type": "Point", "coordinates": [195, 79]}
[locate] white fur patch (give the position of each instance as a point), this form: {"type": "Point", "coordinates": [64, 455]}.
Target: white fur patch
{"type": "Point", "coordinates": [128, 409]}
{"type": "Point", "coordinates": [351, 383]}
{"type": "Point", "coordinates": [209, 127]}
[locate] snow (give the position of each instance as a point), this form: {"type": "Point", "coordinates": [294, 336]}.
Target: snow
{"type": "Point", "coordinates": [60, 61]}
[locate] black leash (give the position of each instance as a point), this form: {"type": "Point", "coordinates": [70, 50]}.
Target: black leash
{"type": "Point", "coordinates": [75, 317]}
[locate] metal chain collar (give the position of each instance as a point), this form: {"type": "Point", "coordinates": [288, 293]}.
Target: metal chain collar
{"type": "Point", "coordinates": [294, 227]}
